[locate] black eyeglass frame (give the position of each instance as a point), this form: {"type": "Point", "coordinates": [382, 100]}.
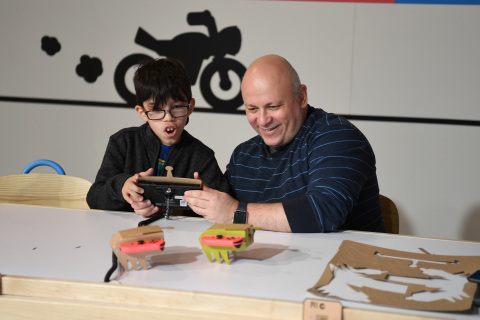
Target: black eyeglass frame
{"type": "Point", "coordinates": [168, 111]}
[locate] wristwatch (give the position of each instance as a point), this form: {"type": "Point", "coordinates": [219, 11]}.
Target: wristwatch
{"type": "Point", "coordinates": [240, 215]}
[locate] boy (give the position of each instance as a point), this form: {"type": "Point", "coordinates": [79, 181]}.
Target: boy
{"type": "Point", "coordinates": [164, 102]}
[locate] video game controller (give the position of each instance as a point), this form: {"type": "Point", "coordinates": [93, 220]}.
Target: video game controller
{"type": "Point", "coordinates": [141, 246]}
{"type": "Point", "coordinates": [222, 241]}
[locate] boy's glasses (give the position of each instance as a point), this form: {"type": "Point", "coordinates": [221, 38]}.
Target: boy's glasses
{"type": "Point", "coordinates": [176, 112]}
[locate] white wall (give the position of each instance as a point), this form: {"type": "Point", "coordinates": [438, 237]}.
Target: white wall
{"type": "Point", "coordinates": [356, 59]}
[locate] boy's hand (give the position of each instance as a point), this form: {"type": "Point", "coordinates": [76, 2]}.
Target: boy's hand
{"type": "Point", "coordinates": [132, 193]}
{"type": "Point", "coordinates": [196, 176]}
{"type": "Point", "coordinates": [144, 208]}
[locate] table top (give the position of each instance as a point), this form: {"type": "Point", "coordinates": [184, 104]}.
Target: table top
{"type": "Point", "coordinates": [74, 245]}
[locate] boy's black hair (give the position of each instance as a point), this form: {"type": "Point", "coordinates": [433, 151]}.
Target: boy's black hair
{"type": "Point", "coordinates": [161, 80]}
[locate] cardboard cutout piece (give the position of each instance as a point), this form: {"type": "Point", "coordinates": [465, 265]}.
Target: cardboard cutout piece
{"type": "Point", "coordinates": [400, 279]}
{"type": "Point", "coordinates": [220, 239]}
{"type": "Point", "coordinates": [142, 239]}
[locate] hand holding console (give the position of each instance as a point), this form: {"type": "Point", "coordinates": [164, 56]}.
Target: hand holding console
{"type": "Point", "coordinates": [167, 192]}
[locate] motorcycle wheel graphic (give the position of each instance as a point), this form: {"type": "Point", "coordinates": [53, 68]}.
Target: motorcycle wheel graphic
{"type": "Point", "coordinates": [120, 73]}
{"type": "Point", "coordinates": [218, 104]}
{"type": "Point", "coordinates": [226, 65]}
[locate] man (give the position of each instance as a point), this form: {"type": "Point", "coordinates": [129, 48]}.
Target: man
{"type": "Point", "coordinates": [306, 171]}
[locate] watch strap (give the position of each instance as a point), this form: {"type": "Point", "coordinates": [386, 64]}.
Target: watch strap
{"type": "Point", "coordinates": [240, 215]}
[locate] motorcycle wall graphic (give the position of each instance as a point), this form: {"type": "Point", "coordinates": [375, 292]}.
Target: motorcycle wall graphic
{"type": "Point", "coordinates": [192, 48]}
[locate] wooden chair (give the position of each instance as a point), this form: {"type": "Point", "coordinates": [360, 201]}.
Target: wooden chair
{"type": "Point", "coordinates": [390, 214]}
{"type": "Point", "coordinates": [53, 190]}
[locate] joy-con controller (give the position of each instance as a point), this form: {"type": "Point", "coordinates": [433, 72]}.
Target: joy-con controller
{"type": "Point", "coordinates": [222, 241]}
{"type": "Point", "coordinates": [141, 246]}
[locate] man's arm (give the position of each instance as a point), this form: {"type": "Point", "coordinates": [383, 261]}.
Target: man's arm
{"type": "Point", "coordinates": [218, 207]}
{"type": "Point", "coordinates": [268, 216]}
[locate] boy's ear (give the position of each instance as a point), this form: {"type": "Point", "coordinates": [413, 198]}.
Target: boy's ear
{"type": "Point", "coordinates": [141, 113]}
{"type": "Point", "coordinates": [192, 106]}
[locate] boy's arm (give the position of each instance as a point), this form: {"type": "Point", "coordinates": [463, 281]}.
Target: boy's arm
{"type": "Point", "coordinates": [213, 176]}
{"type": "Point", "coordinates": [107, 195]}
{"type": "Point", "coordinates": [106, 192]}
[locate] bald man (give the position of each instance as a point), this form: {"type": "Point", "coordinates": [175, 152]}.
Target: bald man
{"type": "Point", "coordinates": [306, 171]}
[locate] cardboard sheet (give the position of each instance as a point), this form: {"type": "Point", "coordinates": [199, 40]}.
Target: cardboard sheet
{"type": "Point", "coordinates": [424, 281]}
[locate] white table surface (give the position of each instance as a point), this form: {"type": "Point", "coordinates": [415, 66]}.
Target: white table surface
{"type": "Point", "coordinates": [74, 245]}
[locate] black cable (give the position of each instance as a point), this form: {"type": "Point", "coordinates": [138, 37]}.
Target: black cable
{"type": "Point", "coordinates": [112, 268]}
{"type": "Point", "coordinates": [114, 256]}
{"type": "Point", "coordinates": [153, 218]}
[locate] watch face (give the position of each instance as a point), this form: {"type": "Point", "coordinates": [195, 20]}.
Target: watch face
{"type": "Point", "coordinates": [240, 217]}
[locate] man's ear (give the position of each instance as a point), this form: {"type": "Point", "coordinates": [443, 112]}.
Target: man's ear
{"type": "Point", "coordinates": [141, 113]}
{"type": "Point", "coordinates": [303, 97]}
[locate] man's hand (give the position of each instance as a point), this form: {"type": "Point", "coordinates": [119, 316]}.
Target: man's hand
{"type": "Point", "coordinates": [132, 193]}
{"type": "Point", "coordinates": [213, 205]}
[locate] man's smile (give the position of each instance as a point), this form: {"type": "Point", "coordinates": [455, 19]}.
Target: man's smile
{"type": "Point", "coordinates": [270, 129]}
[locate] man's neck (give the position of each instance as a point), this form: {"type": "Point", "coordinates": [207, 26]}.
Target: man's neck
{"type": "Point", "coordinates": [279, 150]}
{"type": "Point", "coordinates": [276, 151]}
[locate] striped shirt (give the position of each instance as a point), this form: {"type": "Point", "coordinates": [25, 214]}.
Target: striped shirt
{"type": "Point", "coordinates": [325, 178]}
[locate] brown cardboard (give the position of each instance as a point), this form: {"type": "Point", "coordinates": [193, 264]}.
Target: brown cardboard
{"type": "Point", "coordinates": [170, 179]}
{"type": "Point", "coordinates": [317, 309]}
{"type": "Point", "coordinates": [234, 229]}
{"type": "Point", "coordinates": [393, 271]}
{"type": "Point", "coordinates": [145, 233]}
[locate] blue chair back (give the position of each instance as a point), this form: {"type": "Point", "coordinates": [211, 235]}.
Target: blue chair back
{"type": "Point", "coordinates": [43, 162]}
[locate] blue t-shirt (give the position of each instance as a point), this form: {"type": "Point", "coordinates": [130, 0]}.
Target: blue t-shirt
{"type": "Point", "coordinates": [164, 151]}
